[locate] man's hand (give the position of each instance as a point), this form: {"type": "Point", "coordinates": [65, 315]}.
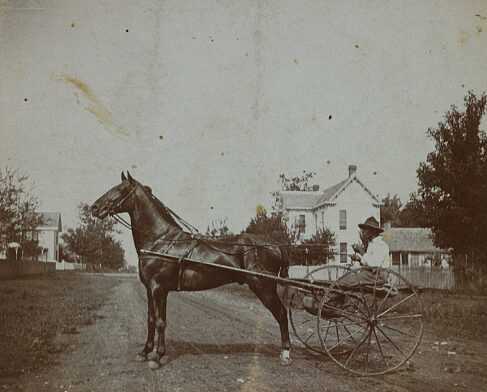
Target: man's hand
{"type": "Point", "coordinates": [355, 257]}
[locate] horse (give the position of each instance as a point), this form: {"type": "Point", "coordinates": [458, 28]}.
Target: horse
{"type": "Point", "coordinates": [156, 228]}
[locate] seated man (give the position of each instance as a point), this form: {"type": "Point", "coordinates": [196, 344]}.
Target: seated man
{"type": "Point", "coordinates": [375, 251]}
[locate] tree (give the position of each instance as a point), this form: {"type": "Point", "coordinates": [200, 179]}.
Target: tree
{"type": "Point", "coordinates": [412, 214]}
{"type": "Point", "coordinates": [271, 226]}
{"type": "Point", "coordinates": [320, 247]}
{"type": "Point", "coordinates": [93, 241]}
{"type": "Point", "coordinates": [453, 180]}
{"type": "Point", "coordinates": [218, 229]}
{"type": "Point", "coordinates": [18, 210]}
{"type": "Point", "coordinates": [297, 183]}
{"type": "Point", "coordinates": [390, 209]}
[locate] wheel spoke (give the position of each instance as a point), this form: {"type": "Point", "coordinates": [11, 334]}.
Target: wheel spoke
{"type": "Point", "coordinates": [397, 330]}
{"type": "Point", "coordinates": [358, 308]}
{"type": "Point", "coordinates": [391, 342]}
{"type": "Point", "coordinates": [336, 329]}
{"type": "Point", "coordinates": [356, 348]}
{"type": "Point", "coordinates": [375, 286]}
{"type": "Point", "coordinates": [327, 329]}
{"type": "Point", "coordinates": [309, 337]}
{"type": "Point", "coordinates": [348, 316]}
{"type": "Point", "coordinates": [380, 347]}
{"type": "Point", "coordinates": [349, 333]}
{"type": "Point", "coordinates": [343, 341]}
{"type": "Point", "coordinates": [343, 324]}
{"type": "Point", "coordinates": [379, 308]}
{"type": "Point", "coordinates": [396, 305]}
{"type": "Point", "coordinates": [367, 352]}
{"type": "Point", "coordinates": [403, 316]}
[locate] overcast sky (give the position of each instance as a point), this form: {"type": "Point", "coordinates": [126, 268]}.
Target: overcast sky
{"type": "Point", "coordinates": [207, 102]}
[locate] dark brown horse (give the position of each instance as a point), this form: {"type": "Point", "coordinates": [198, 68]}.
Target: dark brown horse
{"type": "Point", "coordinates": [156, 228]}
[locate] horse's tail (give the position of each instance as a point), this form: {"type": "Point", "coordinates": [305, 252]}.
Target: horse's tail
{"type": "Point", "coordinates": [284, 270]}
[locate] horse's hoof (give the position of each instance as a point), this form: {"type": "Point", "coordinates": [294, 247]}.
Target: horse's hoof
{"type": "Point", "coordinates": [286, 362]}
{"type": "Point", "coordinates": [141, 357]}
{"type": "Point", "coordinates": [286, 358]}
{"type": "Point", "coordinates": [154, 365]}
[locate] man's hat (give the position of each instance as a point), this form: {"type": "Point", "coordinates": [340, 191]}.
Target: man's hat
{"type": "Point", "coordinates": [371, 224]}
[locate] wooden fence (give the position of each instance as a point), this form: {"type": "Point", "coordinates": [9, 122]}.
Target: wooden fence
{"type": "Point", "coordinates": [17, 268]}
{"type": "Point", "coordinates": [427, 277]}
{"type": "Point", "coordinates": [423, 277]}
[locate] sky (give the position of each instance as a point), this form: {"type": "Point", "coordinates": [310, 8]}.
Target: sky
{"type": "Point", "coordinates": [208, 102]}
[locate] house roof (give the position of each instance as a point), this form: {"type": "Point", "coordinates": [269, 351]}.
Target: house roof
{"type": "Point", "coordinates": [410, 239]}
{"type": "Point", "coordinates": [328, 193]}
{"type": "Point", "coordinates": [51, 220]}
{"type": "Point", "coordinates": [299, 199]}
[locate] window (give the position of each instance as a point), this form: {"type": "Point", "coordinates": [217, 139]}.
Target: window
{"type": "Point", "coordinates": [404, 258]}
{"type": "Point", "coordinates": [343, 252]}
{"type": "Point", "coordinates": [396, 258]}
{"type": "Point", "coordinates": [302, 223]}
{"type": "Point", "coordinates": [343, 219]}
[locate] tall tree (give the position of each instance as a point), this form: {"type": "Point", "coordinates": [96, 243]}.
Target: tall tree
{"type": "Point", "coordinates": [412, 214]}
{"type": "Point", "coordinates": [93, 240]}
{"type": "Point", "coordinates": [390, 209]}
{"type": "Point", "coordinates": [453, 180]}
{"type": "Point", "coordinates": [18, 209]}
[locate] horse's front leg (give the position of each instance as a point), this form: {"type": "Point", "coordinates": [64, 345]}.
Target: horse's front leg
{"type": "Point", "coordinates": [151, 328]}
{"type": "Point", "coordinates": [160, 300]}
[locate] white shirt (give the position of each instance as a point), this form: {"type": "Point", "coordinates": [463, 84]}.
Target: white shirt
{"type": "Point", "coordinates": [377, 254]}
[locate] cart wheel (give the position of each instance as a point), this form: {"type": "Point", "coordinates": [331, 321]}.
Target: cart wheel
{"type": "Point", "coordinates": [303, 319]}
{"type": "Point", "coordinates": [378, 326]}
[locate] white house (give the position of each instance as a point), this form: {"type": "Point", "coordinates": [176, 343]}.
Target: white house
{"type": "Point", "coordinates": [48, 235]}
{"type": "Point", "coordinates": [339, 208]}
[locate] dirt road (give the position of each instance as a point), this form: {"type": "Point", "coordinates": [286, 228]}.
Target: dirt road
{"type": "Point", "coordinates": [221, 340]}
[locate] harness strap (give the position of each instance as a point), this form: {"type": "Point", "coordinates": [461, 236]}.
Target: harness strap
{"type": "Point", "coordinates": [181, 264]}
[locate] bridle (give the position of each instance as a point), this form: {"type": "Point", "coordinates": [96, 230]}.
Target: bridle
{"type": "Point", "coordinates": [114, 215]}
{"type": "Point", "coordinates": [126, 224]}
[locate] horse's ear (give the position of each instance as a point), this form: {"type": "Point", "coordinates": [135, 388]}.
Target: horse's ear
{"type": "Point", "coordinates": [123, 176]}
{"type": "Point", "coordinates": [130, 177]}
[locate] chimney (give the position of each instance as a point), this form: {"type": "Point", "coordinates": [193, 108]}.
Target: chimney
{"type": "Point", "coordinates": [352, 169]}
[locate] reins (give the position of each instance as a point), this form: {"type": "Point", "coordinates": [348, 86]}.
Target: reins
{"type": "Point", "coordinates": [194, 233]}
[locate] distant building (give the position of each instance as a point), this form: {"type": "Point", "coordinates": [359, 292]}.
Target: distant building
{"type": "Point", "coordinates": [48, 235]}
{"type": "Point", "coordinates": [412, 247]}
{"type": "Point", "coordinates": [340, 208]}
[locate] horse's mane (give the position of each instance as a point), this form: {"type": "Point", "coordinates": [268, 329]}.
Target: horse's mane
{"type": "Point", "coordinates": [162, 208]}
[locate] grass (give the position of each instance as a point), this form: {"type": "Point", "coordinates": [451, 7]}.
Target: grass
{"type": "Point", "coordinates": [34, 309]}
{"type": "Point", "coordinates": [458, 315]}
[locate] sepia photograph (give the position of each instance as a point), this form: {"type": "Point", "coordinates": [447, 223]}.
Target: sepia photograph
{"type": "Point", "coordinates": [251, 195]}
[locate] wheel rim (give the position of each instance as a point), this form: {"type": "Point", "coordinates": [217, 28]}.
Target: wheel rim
{"type": "Point", "coordinates": [303, 322]}
{"type": "Point", "coordinates": [377, 327]}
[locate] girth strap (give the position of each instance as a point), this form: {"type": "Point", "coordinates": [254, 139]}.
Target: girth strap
{"type": "Point", "coordinates": [181, 264]}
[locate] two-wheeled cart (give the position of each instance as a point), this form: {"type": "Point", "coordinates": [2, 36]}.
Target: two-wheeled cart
{"type": "Point", "coordinates": [369, 320]}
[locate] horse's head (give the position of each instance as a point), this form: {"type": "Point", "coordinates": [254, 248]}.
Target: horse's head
{"type": "Point", "coordinates": [118, 199]}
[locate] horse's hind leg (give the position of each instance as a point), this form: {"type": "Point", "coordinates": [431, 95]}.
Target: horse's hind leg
{"type": "Point", "coordinates": [266, 292]}
{"type": "Point", "coordinates": [151, 328]}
